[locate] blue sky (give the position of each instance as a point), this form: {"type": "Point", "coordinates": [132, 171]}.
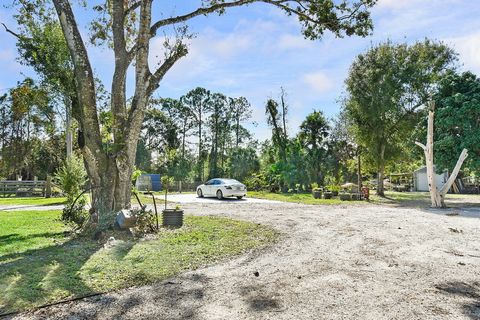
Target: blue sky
{"type": "Point", "coordinates": [252, 51]}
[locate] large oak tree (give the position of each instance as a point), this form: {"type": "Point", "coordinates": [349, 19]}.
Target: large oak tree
{"type": "Point", "coordinates": [128, 26]}
{"type": "Point", "coordinates": [387, 87]}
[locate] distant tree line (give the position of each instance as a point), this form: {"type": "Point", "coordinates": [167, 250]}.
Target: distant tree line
{"type": "Point", "coordinates": [205, 134]}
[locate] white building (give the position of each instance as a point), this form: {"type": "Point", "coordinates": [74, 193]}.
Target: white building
{"type": "Point", "coordinates": [420, 179]}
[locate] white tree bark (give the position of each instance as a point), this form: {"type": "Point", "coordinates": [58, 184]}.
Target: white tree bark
{"type": "Point", "coordinates": [437, 197]}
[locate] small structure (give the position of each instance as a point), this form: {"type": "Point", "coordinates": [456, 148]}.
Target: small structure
{"type": "Point", "coordinates": [401, 181]}
{"type": "Point", "coordinates": [148, 182]}
{"type": "Point", "coordinates": [420, 179]}
{"type": "Point", "coordinates": [352, 187]}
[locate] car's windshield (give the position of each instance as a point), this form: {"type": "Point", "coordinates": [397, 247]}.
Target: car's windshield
{"type": "Point", "coordinates": [230, 181]}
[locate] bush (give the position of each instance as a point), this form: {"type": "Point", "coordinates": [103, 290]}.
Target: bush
{"type": "Point", "coordinates": [334, 188]}
{"type": "Point", "coordinates": [146, 221]}
{"type": "Point", "coordinates": [256, 182]}
{"type": "Point", "coordinates": [71, 178]}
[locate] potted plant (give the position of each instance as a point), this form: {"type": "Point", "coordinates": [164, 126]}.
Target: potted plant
{"type": "Point", "coordinates": [328, 195]}
{"type": "Point", "coordinates": [317, 193]}
{"type": "Point", "coordinates": [334, 190]}
{"type": "Point", "coordinates": [345, 196]}
{"type": "Point", "coordinates": [172, 218]}
{"type": "Point", "coordinates": [356, 196]}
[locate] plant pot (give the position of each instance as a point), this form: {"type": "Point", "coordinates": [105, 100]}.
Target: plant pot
{"type": "Point", "coordinates": [317, 194]}
{"type": "Point", "coordinates": [345, 196]}
{"type": "Point", "coordinates": [172, 218]}
{"type": "Point", "coordinates": [328, 195]}
{"type": "Point", "coordinates": [356, 196]}
{"type": "Point", "coordinates": [335, 193]}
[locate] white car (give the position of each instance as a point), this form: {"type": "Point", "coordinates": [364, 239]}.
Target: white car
{"type": "Point", "coordinates": [222, 188]}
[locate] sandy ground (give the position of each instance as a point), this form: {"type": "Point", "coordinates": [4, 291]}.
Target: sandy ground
{"type": "Point", "coordinates": [332, 262]}
{"type": "Point", "coordinates": [192, 198]}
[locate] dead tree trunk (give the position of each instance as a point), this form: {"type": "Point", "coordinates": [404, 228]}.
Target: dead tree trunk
{"type": "Point", "coordinates": [437, 197]}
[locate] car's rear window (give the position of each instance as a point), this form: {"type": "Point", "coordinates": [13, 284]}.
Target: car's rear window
{"type": "Point", "coordinates": [227, 181]}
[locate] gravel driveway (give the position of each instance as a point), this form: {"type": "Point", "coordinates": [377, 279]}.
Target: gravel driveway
{"type": "Point", "coordinates": [333, 262]}
{"type": "Point", "coordinates": [192, 198]}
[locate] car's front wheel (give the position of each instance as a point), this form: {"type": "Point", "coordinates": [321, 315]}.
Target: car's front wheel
{"type": "Point", "coordinates": [219, 195]}
{"type": "Point", "coordinates": [239, 197]}
{"type": "Point", "coordinates": [200, 193]}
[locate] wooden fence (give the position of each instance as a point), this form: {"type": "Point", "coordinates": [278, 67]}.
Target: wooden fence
{"type": "Point", "coordinates": [23, 188]}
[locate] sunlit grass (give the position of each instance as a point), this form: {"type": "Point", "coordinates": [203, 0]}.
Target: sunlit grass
{"type": "Point", "coordinates": [39, 265]}
{"type": "Point", "coordinates": [37, 201]}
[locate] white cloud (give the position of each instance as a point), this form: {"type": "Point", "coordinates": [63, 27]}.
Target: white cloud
{"type": "Point", "coordinates": [395, 4]}
{"type": "Point", "coordinates": [232, 45]}
{"type": "Point", "coordinates": [319, 81]}
{"type": "Point", "coordinates": [468, 47]}
{"type": "Point", "coordinates": [290, 41]}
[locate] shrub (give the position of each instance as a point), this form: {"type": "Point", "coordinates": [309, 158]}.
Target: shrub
{"type": "Point", "coordinates": [256, 182]}
{"type": "Point", "coordinates": [71, 178]}
{"type": "Point", "coordinates": [146, 221]}
{"type": "Point", "coordinates": [333, 187]}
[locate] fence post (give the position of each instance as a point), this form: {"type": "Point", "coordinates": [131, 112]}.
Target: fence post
{"type": "Point", "coordinates": [48, 187]}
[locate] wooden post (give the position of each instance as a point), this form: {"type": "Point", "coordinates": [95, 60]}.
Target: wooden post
{"type": "Point", "coordinates": [437, 197]}
{"type": "Point", "coordinates": [48, 187]}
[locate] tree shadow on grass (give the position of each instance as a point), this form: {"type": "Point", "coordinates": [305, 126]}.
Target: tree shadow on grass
{"type": "Point", "coordinates": [11, 238]}
{"type": "Point", "coordinates": [465, 290]}
{"type": "Point", "coordinates": [40, 276]}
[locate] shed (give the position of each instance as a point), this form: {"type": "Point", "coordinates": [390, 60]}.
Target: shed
{"type": "Point", "coordinates": [420, 179]}
{"type": "Point", "coordinates": [148, 182]}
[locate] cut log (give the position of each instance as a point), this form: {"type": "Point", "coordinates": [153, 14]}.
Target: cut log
{"type": "Point", "coordinates": [455, 188]}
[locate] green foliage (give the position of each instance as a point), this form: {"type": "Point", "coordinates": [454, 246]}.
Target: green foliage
{"type": "Point", "coordinates": [242, 162]}
{"type": "Point", "coordinates": [313, 134]}
{"type": "Point", "coordinates": [28, 139]}
{"type": "Point", "coordinates": [146, 222]}
{"type": "Point", "coordinates": [457, 121]}
{"type": "Point", "coordinates": [71, 177]}
{"type": "Point", "coordinates": [256, 182]}
{"type": "Point", "coordinates": [386, 88]}
{"type": "Point", "coordinates": [333, 187]}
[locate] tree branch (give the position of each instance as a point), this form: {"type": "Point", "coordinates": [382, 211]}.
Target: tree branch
{"type": "Point", "coordinates": [132, 8]}
{"type": "Point", "coordinates": [455, 171]}
{"type": "Point", "coordinates": [121, 65]}
{"type": "Point", "coordinates": [16, 35]}
{"type": "Point", "coordinates": [421, 145]}
{"type": "Point", "coordinates": [85, 83]}
{"type": "Point", "coordinates": [200, 11]}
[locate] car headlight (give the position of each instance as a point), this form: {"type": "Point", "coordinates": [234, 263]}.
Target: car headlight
{"type": "Point", "coordinates": [228, 187]}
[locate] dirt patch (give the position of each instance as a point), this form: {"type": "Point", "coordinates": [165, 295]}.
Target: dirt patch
{"type": "Point", "coordinates": [335, 262]}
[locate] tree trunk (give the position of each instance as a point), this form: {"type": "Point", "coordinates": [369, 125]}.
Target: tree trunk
{"type": "Point", "coordinates": [284, 113]}
{"type": "Point", "coordinates": [359, 170]}
{"type": "Point", "coordinates": [200, 156]}
{"type": "Point", "coordinates": [381, 172]}
{"type": "Point", "coordinates": [437, 197]}
{"type": "Point", "coordinates": [68, 127]}
{"type": "Point", "coordinates": [237, 131]}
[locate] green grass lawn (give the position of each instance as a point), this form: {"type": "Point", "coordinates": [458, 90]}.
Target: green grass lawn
{"type": "Point", "coordinates": [305, 198]}
{"type": "Point", "coordinates": [39, 265]}
{"type": "Point", "coordinates": [407, 199]}
{"type": "Point", "coordinates": [38, 201]}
